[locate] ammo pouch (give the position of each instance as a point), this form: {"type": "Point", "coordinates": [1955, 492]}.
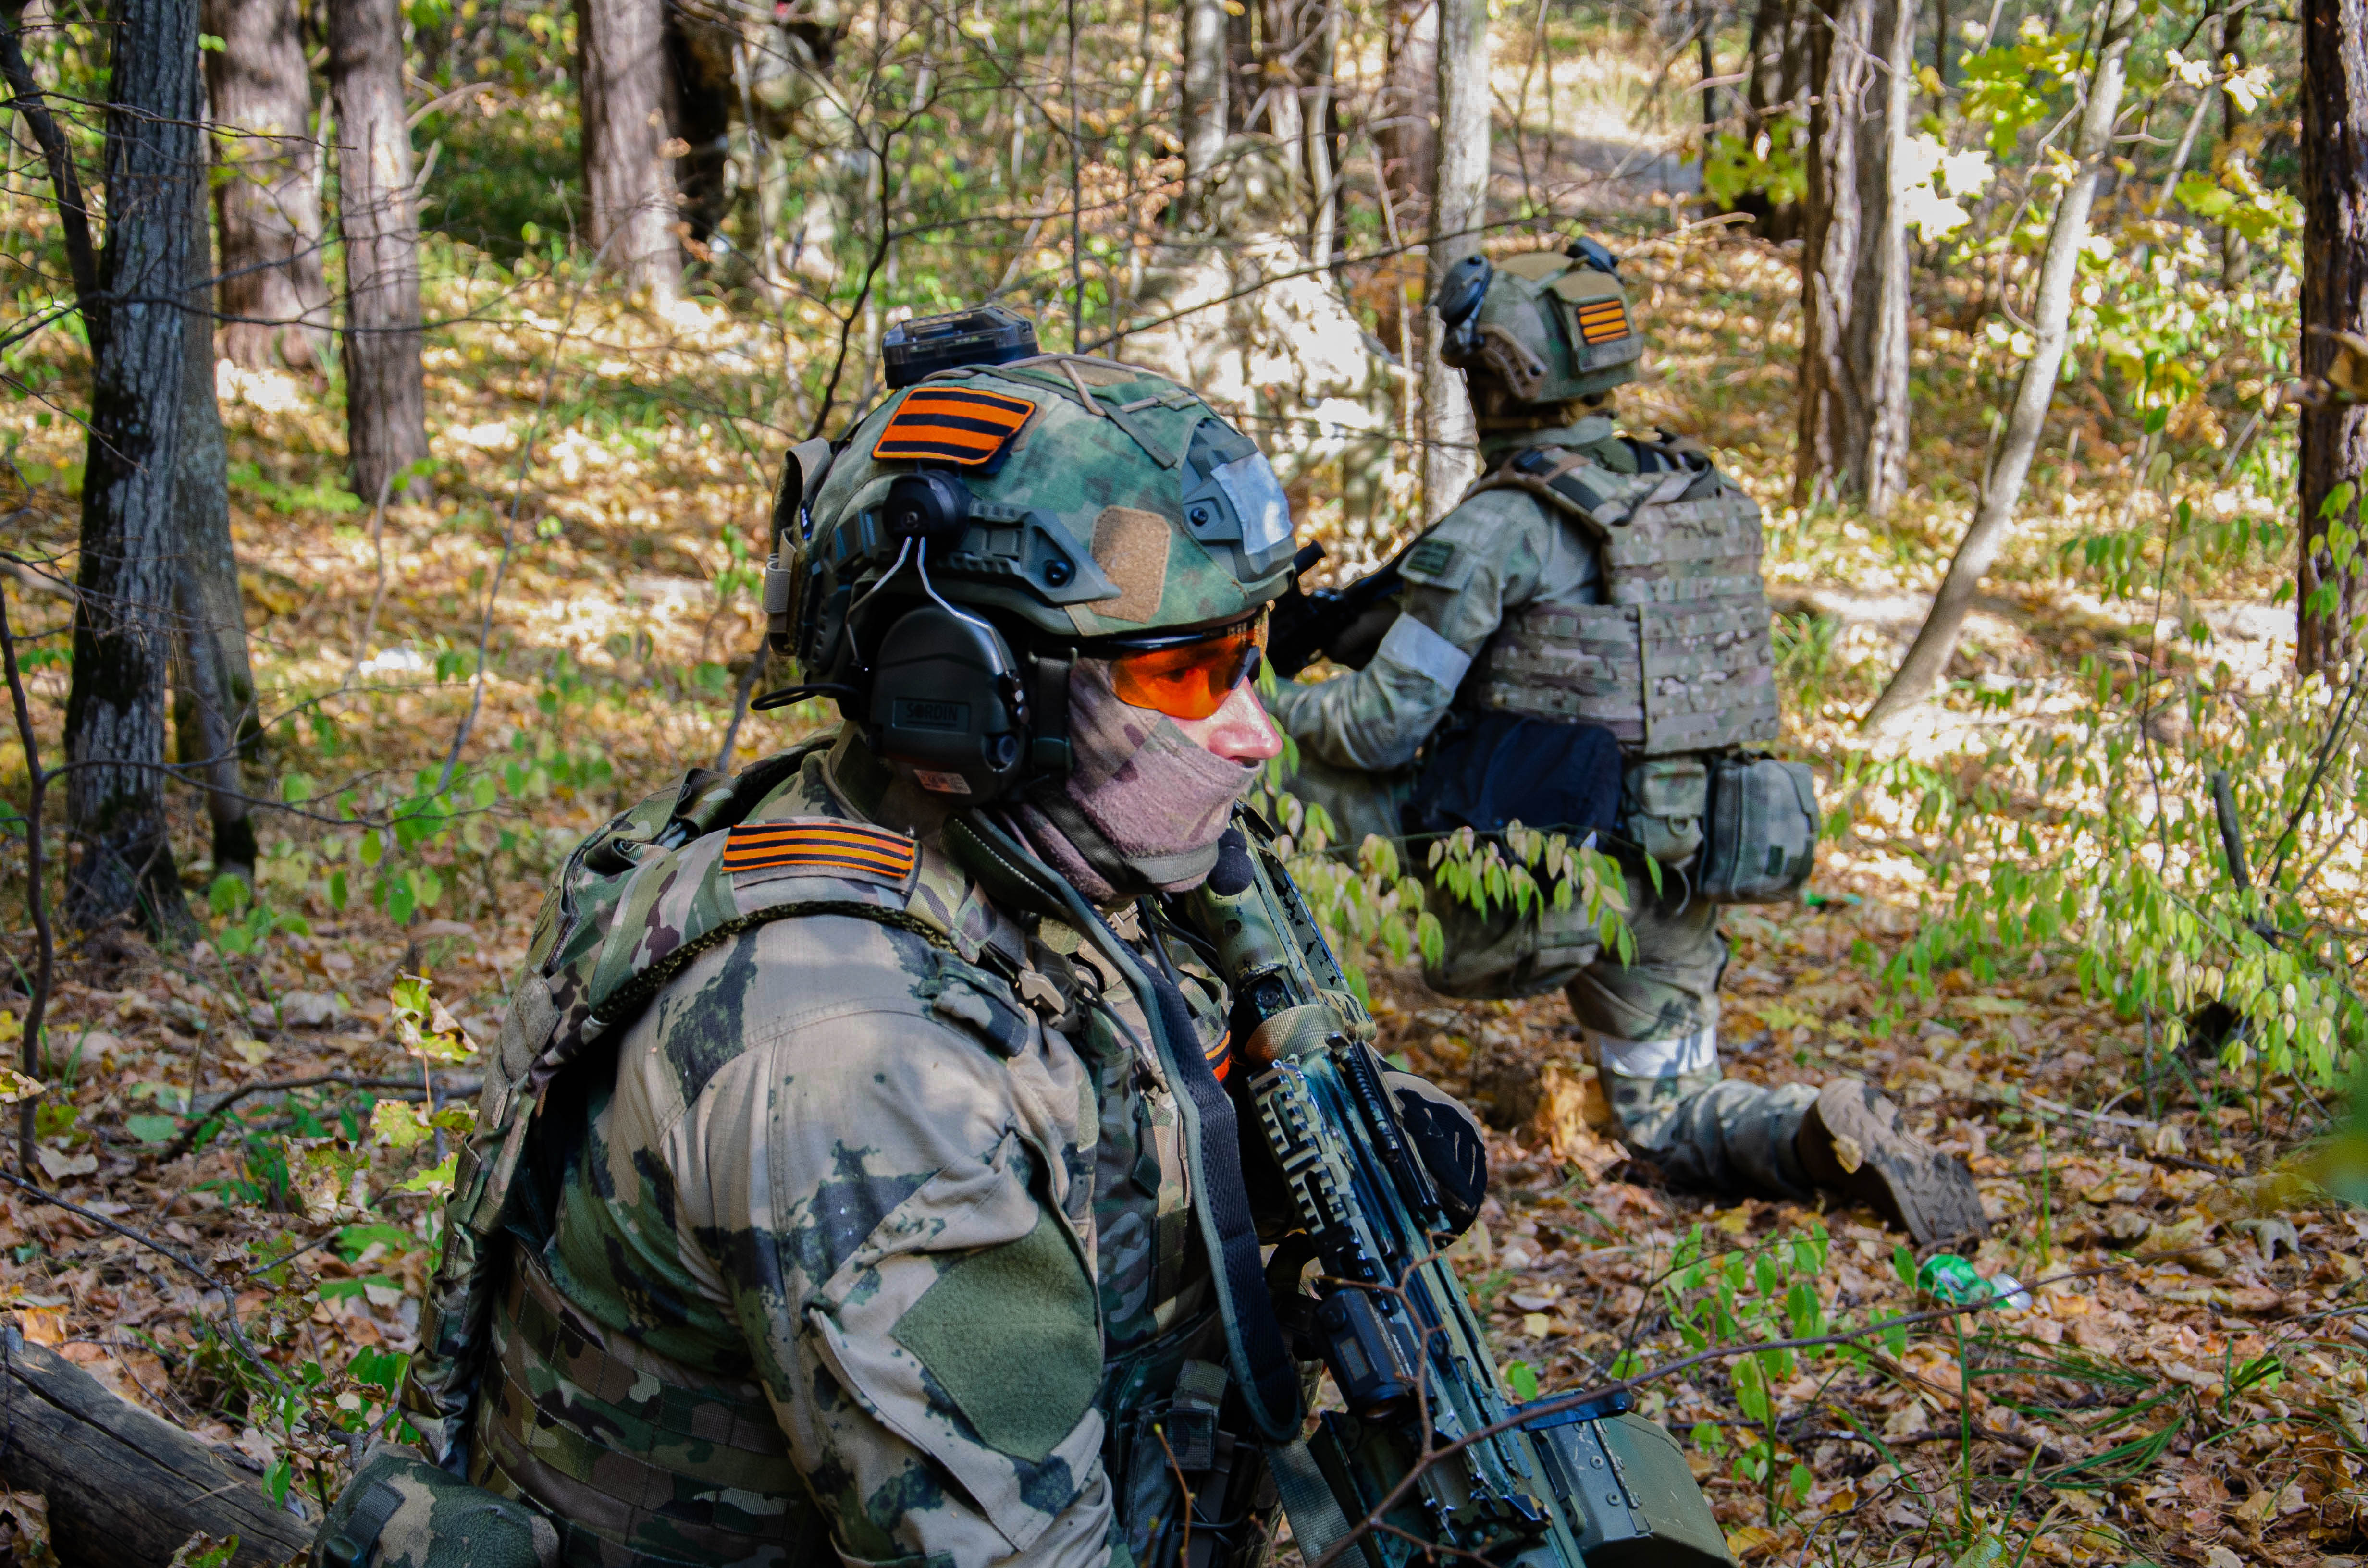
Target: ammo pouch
{"type": "Point", "coordinates": [1665, 802]}
{"type": "Point", "coordinates": [399, 1511]}
{"type": "Point", "coordinates": [1762, 840]}
{"type": "Point", "coordinates": [1630, 1496]}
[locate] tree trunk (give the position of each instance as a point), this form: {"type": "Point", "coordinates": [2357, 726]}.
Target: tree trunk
{"type": "Point", "coordinates": [213, 683]}
{"type": "Point", "coordinates": [2234, 252]}
{"type": "Point", "coordinates": [2333, 586]}
{"type": "Point", "coordinates": [620, 84]}
{"type": "Point", "coordinates": [1928, 657]}
{"type": "Point", "coordinates": [386, 404]}
{"type": "Point", "coordinates": [273, 302]}
{"type": "Point", "coordinates": [1405, 118]}
{"type": "Point", "coordinates": [1777, 62]}
{"type": "Point", "coordinates": [700, 90]}
{"type": "Point", "coordinates": [1458, 207]}
{"type": "Point", "coordinates": [1876, 460]}
{"type": "Point", "coordinates": [125, 1487]}
{"type": "Point", "coordinates": [1853, 378]}
{"type": "Point", "coordinates": [1206, 81]}
{"type": "Point", "coordinates": [123, 612]}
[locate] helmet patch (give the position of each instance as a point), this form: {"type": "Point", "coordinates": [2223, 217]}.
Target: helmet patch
{"type": "Point", "coordinates": [951, 424]}
{"type": "Point", "coordinates": [1602, 321]}
{"type": "Point", "coordinates": [1131, 547]}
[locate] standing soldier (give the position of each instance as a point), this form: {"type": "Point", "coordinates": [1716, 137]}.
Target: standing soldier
{"type": "Point", "coordinates": [858, 1181]}
{"type": "Point", "coordinates": [1583, 645]}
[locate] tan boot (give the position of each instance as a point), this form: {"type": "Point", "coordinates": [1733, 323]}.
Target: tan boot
{"type": "Point", "coordinates": [1852, 1143]}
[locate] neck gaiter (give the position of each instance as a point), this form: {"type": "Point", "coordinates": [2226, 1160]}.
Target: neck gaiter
{"type": "Point", "coordinates": [1144, 805]}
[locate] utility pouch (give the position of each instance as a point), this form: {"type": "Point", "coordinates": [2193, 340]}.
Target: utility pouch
{"type": "Point", "coordinates": [1763, 830]}
{"type": "Point", "coordinates": [1664, 801]}
{"type": "Point", "coordinates": [1631, 1498]}
{"type": "Point", "coordinates": [399, 1511]}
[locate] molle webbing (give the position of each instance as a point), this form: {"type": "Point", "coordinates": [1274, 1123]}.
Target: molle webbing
{"type": "Point", "coordinates": [1680, 658]}
{"type": "Point", "coordinates": [612, 1448]}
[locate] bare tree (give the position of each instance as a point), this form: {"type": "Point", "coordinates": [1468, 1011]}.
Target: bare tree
{"type": "Point", "coordinates": [123, 604]}
{"type": "Point", "coordinates": [1776, 65]}
{"type": "Point", "coordinates": [386, 401]}
{"type": "Point", "coordinates": [2333, 593]}
{"type": "Point", "coordinates": [1405, 111]}
{"type": "Point", "coordinates": [2234, 252]}
{"type": "Point", "coordinates": [213, 681]}
{"type": "Point", "coordinates": [1458, 207]}
{"type": "Point", "coordinates": [620, 82]}
{"type": "Point", "coordinates": [273, 301]}
{"type": "Point", "coordinates": [1853, 386]}
{"type": "Point", "coordinates": [2051, 319]}
{"type": "Point", "coordinates": [1205, 94]}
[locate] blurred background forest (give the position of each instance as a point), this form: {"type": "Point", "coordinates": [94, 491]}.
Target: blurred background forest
{"type": "Point", "coordinates": [396, 398]}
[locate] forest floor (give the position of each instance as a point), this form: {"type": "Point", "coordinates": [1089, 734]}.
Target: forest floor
{"type": "Point", "coordinates": [2185, 1381]}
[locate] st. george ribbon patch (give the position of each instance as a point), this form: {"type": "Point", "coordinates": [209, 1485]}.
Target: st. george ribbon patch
{"type": "Point", "coordinates": [823, 845]}
{"type": "Point", "coordinates": [951, 424]}
{"type": "Point", "coordinates": [1602, 321]}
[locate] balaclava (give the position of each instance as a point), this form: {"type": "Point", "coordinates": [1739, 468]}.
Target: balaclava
{"type": "Point", "coordinates": [1143, 804]}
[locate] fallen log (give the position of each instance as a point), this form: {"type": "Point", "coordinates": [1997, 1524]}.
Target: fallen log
{"type": "Point", "coordinates": [126, 1488]}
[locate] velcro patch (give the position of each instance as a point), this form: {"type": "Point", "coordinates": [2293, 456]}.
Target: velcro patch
{"type": "Point", "coordinates": [951, 424]}
{"type": "Point", "coordinates": [1602, 321]}
{"type": "Point", "coordinates": [1431, 558]}
{"type": "Point", "coordinates": [825, 846]}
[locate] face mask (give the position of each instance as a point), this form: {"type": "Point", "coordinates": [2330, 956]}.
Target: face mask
{"type": "Point", "coordinates": [1144, 803]}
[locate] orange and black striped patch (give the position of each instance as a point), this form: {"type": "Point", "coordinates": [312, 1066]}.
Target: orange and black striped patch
{"type": "Point", "coordinates": [1220, 1057]}
{"type": "Point", "coordinates": [1600, 321]}
{"type": "Point", "coordinates": [824, 846]}
{"type": "Point", "coordinates": [951, 424]}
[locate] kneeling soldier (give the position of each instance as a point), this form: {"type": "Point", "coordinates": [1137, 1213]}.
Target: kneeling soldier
{"type": "Point", "coordinates": [1583, 645]}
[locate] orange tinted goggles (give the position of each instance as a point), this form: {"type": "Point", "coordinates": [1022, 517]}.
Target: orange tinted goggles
{"type": "Point", "coordinates": [1191, 680]}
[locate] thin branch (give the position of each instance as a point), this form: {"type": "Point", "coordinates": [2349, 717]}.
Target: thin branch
{"type": "Point", "coordinates": [74, 215]}
{"type": "Point", "coordinates": [229, 1300]}
{"type": "Point", "coordinates": [37, 901]}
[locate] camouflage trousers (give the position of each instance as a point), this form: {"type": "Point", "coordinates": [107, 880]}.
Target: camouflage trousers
{"type": "Point", "coordinates": [1649, 1027]}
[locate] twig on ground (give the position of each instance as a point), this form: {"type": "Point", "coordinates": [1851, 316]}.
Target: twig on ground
{"type": "Point", "coordinates": [230, 1298]}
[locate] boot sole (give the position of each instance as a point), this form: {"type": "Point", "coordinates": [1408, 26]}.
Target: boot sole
{"type": "Point", "coordinates": [1928, 1194]}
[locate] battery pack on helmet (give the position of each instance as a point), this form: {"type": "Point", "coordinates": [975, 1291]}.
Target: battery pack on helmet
{"type": "Point", "coordinates": [944, 702]}
{"type": "Point", "coordinates": [985, 335]}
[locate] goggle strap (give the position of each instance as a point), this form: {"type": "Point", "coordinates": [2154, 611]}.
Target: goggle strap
{"type": "Point", "coordinates": [1049, 748]}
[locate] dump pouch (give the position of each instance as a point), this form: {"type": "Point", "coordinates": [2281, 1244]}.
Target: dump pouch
{"type": "Point", "coordinates": [399, 1511]}
{"type": "Point", "coordinates": [1763, 843]}
{"type": "Point", "coordinates": [1497, 769]}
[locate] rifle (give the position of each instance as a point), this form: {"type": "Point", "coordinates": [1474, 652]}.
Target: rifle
{"type": "Point", "coordinates": [1343, 624]}
{"type": "Point", "coordinates": [1590, 1484]}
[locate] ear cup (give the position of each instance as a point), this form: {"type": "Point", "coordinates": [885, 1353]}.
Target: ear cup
{"type": "Point", "coordinates": [946, 700]}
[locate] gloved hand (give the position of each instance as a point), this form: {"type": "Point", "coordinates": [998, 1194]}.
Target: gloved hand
{"type": "Point", "coordinates": [1447, 1138]}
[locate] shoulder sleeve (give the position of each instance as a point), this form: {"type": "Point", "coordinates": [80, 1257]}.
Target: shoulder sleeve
{"type": "Point", "coordinates": [878, 1171]}
{"type": "Point", "coordinates": [1480, 561]}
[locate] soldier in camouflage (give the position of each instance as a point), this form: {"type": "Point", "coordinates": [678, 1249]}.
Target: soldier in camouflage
{"type": "Point", "coordinates": [830, 1201]}
{"type": "Point", "coordinates": [1596, 578]}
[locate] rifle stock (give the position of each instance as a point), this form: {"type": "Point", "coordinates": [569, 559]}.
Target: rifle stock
{"type": "Point", "coordinates": [1389, 1316]}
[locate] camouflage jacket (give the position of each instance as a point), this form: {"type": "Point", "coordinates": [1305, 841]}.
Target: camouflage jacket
{"type": "Point", "coordinates": [1637, 607]}
{"type": "Point", "coordinates": [904, 1202]}
{"type": "Point", "coordinates": [1496, 552]}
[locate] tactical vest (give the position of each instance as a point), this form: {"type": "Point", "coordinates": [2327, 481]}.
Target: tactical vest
{"type": "Point", "coordinates": [1678, 658]}
{"type": "Point", "coordinates": [526, 1397]}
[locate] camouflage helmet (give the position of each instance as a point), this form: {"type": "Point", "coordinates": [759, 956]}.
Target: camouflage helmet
{"type": "Point", "coordinates": [1059, 502]}
{"type": "Point", "coordinates": [1550, 327]}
